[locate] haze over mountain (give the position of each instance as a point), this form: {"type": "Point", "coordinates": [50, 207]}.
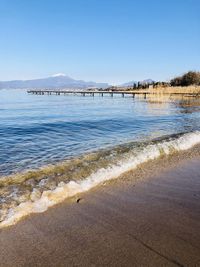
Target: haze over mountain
{"type": "Point", "coordinates": [131, 83]}
{"type": "Point", "coordinates": [60, 81]}
{"type": "Point", "coordinates": [57, 81]}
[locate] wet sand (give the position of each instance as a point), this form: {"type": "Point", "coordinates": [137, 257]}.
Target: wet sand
{"type": "Point", "coordinates": [150, 221]}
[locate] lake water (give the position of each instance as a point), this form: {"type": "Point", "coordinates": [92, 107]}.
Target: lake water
{"type": "Point", "coordinates": [37, 130]}
{"type": "Point", "coordinates": [73, 143]}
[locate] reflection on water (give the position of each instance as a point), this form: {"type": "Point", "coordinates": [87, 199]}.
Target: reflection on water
{"type": "Point", "coordinates": [38, 130]}
{"type": "Point", "coordinates": [184, 104]}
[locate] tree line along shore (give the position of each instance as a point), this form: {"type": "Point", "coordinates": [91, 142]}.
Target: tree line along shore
{"type": "Point", "coordinates": [187, 83]}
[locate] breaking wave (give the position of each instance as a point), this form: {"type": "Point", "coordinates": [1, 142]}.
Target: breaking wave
{"type": "Point", "coordinates": [36, 191]}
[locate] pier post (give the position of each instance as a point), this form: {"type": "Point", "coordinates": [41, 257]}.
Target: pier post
{"type": "Point", "coordinates": [122, 94]}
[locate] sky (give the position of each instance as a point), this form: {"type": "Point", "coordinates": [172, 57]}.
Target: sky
{"type": "Point", "coordinates": [111, 41]}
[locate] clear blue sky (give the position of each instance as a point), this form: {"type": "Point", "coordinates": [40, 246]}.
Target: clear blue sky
{"type": "Point", "coordinates": [101, 40]}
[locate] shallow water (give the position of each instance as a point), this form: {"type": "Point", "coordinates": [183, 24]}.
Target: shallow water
{"type": "Point", "coordinates": [70, 144]}
{"type": "Point", "coordinates": [38, 130]}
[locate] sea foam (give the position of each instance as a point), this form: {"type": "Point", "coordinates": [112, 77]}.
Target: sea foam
{"type": "Point", "coordinates": [65, 190]}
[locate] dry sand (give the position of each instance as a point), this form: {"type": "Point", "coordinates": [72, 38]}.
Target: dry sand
{"type": "Point", "coordinates": [150, 221]}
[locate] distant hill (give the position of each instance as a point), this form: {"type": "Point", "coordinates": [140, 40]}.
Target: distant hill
{"type": "Point", "coordinates": [58, 81]}
{"type": "Point", "coordinates": [149, 81]}
{"type": "Point", "coordinates": [131, 83]}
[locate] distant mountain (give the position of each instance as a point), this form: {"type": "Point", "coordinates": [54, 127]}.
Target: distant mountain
{"type": "Point", "coordinates": [149, 81]}
{"type": "Point", "coordinates": [57, 81]}
{"type": "Point", "coordinates": [131, 83]}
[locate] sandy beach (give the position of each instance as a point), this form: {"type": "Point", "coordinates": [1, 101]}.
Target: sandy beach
{"type": "Point", "coordinates": [100, 133]}
{"type": "Point", "coordinates": [150, 221]}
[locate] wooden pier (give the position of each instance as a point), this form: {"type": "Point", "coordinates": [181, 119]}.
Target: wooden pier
{"type": "Point", "coordinates": [84, 93]}
{"type": "Point", "coordinates": [102, 93]}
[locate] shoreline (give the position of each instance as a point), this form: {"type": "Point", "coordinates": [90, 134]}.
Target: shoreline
{"type": "Point", "coordinates": [147, 217]}
{"type": "Point", "coordinates": [36, 196]}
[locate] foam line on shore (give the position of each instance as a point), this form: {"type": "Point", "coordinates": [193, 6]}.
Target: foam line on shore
{"type": "Point", "coordinates": [65, 190]}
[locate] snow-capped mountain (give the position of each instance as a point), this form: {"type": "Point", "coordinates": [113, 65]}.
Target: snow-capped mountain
{"type": "Point", "coordinates": [57, 81]}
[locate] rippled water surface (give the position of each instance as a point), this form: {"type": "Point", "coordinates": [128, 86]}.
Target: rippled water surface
{"type": "Point", "coordinates": [38, 129]}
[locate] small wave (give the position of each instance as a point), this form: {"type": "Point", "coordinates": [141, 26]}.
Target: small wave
{"type": "Point", "coordinates": [108, 165]}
